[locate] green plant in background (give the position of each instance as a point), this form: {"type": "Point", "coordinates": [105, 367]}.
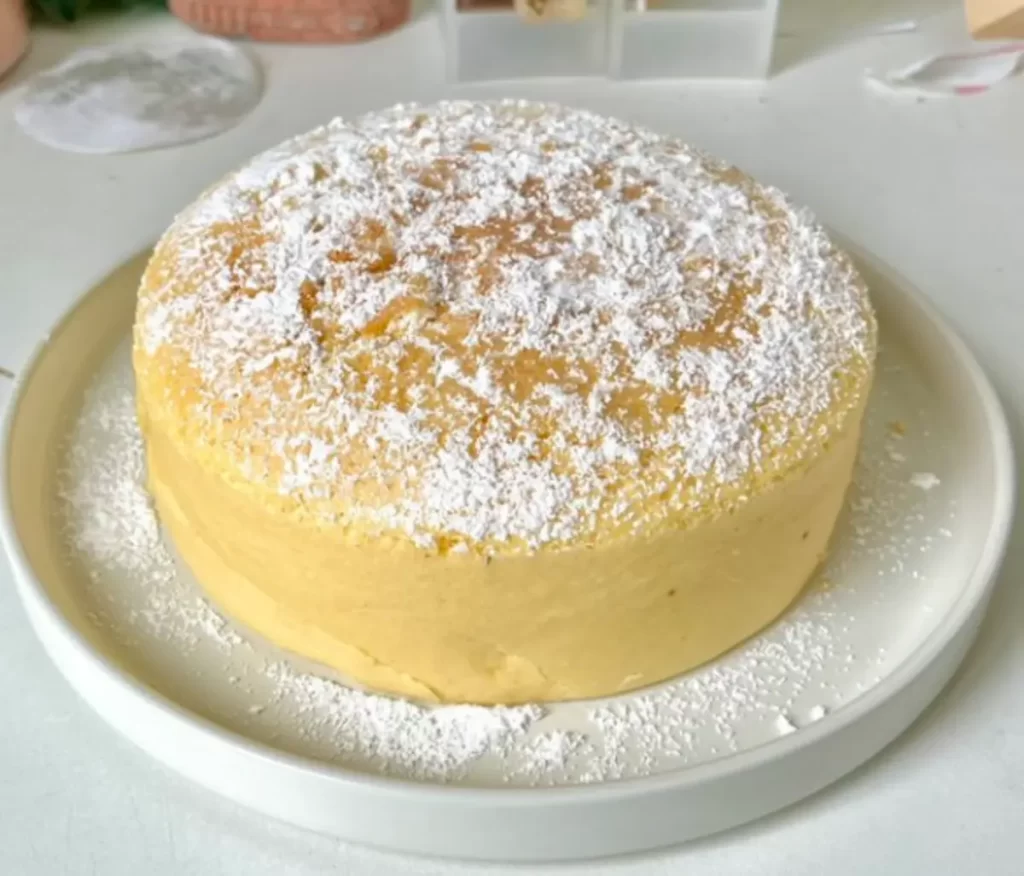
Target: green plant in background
{"type": "Point", "coordinates": [73, 10]}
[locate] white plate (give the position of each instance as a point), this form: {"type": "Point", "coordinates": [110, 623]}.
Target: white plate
{"type": "Point", "coordinates": [871, 642]}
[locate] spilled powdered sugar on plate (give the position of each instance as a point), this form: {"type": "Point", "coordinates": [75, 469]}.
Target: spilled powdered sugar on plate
{"type": "Point", "coordinates": [840, 639]}
{"type": "Point", "coordinates": [112, 524]}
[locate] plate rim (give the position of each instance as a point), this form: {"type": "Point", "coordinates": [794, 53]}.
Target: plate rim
{"type": "Point", "coordinates": [972, 598]}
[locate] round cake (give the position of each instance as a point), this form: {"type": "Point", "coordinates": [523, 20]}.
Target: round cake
{"type": "Point", "coordinates": [500, 402]}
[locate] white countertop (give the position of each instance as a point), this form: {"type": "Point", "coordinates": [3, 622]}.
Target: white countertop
{"type": "Point", "coordinates": [932, 188]}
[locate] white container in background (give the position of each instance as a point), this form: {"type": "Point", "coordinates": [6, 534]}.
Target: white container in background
{"type": "Point", "coordinates": [691, 39]}
{"type": "Point", "coordinates": [487, 39]}
{"type": "Point", "coordinates": [627, 39]}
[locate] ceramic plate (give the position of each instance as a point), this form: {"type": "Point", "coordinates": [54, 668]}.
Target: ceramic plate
{"type": "Point", "coordinates": [868, 645]}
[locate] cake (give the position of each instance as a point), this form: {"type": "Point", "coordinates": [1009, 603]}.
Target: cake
{"type": "Point", "coordinates": [500, 402]}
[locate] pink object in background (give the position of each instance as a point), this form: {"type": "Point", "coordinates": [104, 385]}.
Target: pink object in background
{"type": "Point", "coordinates": [311, 21]}
{"type": "Point", "coordinates": [966, 73]}
{"type": "Point", "coordinates": [13, 33]}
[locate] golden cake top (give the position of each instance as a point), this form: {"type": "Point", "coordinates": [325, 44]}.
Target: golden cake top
{"type": "Point", "coordinates": [497, 326]}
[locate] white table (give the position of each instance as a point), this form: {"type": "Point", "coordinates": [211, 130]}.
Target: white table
{"type": "Point", "coordinates": [933, 188]}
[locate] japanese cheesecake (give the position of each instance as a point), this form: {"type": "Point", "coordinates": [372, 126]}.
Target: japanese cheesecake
{"type": "Point", "coordinates": [500, 402]}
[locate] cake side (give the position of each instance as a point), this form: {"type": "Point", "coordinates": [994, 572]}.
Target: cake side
{"type": "Point", "coordinates": [585, 621]}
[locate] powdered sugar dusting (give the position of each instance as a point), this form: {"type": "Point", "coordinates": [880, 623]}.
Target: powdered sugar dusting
{"type": "Point", "coordinates": [825, 651]}
{"type": "Point", "coordinates": [490, 325]}
{"type": "Point", "coordinates": [784, 725]}
{"type": "Point", "coordinates": [790, 676]}
{"type": "Point", "coordinates": [113, 526]}
{"type": "Point", "coordinates": [110, 521]}
{"type": "Point", "coordinates": [924, 480]}
{"type": "Point", "coordinates": [398, 737]}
